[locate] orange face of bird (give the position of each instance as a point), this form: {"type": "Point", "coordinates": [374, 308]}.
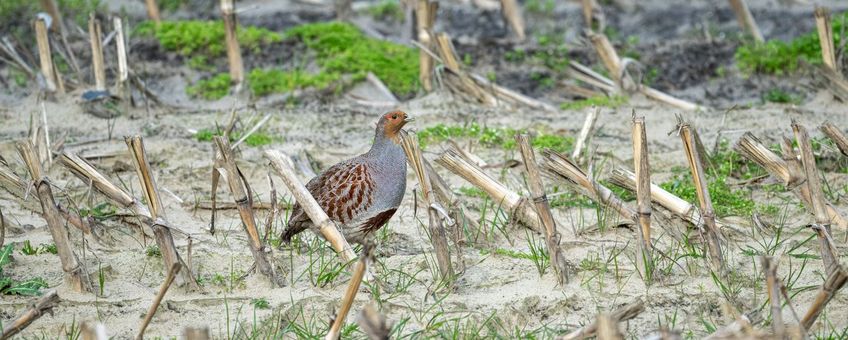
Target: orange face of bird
{"type": "Point", "coordinates": [394, 121]}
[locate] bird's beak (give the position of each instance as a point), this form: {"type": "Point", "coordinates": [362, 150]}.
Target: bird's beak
{"type": "Point", "coordinates": [408, 119]}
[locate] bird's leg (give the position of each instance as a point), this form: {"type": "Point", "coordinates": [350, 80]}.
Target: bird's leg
{"type": "Point", "coordinates": [372, 281]}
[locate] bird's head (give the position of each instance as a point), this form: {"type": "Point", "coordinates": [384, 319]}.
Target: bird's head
{"type": "Point", "coordinates": [390, 124]}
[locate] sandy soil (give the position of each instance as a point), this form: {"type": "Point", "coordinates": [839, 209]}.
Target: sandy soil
{"type": "Point", "coordinates": [498, 294]}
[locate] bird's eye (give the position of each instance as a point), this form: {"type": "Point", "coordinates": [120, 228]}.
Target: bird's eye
{"type": "Point", "coordinates": [394, 116]}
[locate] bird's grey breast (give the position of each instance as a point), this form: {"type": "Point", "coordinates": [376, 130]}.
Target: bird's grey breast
{"type": "Point", "coordinates": [389, 174]}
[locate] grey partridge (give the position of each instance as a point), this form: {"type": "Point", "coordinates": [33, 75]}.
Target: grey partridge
{"type": "Point", "coordinates": [360, 194]}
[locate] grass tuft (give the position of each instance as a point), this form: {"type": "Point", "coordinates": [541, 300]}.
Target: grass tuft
{"type": "Point", "coordinates": [258, 138]}
{"type": "Point", "coordinates": [153, 251]}
{"type": "Point", "coordinates": [197, 37]}
{"type": "Point", "coordinates": [541, 7]}
{"type": "Point", "coordinates": [29, 250]}
{"type": "Point", "coordinates": [726, 201]}
{"type": "Point", "coordinates": [171, 5]}
{"type": "Point", "coordinates": [263, 82]}
{"type": "Point", "coordinates": [781, 57]}
{"type": "Point", "coordinates": [100, 211]}
{"type": "Point", "coordinates": [726, 164]}
{"type": "Point", "coordinates": [776, 95]}
{"type": "Point", "coordinates": [472, 192]}
{"type": "Point", "coordinates": [600, 101]}
{"type": "Point", "coordinates": [211, 89]}
{"type": "Point", "coordinates": [492, 137]}
{"type": "Point", "coordinates": [22, 11]}
{"type": "Point", "coordinates": [386, 9]}
{"type": "Point", "coordinates": [260, 303]}
{"type": "Point", "coordinates": [9, 286]}
{"type": "Point", "coordinates": [342, 49]}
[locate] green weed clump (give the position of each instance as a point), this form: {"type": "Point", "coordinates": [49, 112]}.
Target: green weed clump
{"type": "Point", "coordinates": [260, 303]}
{"type": "Point", "coordinates": [29, 250]}
{"type": "Point", "coordinates": [776, 95]}
{"type": "Point", "coordinates": [726, 201]}
{"type": "Point", "coordinates": [472, 192]}
{"type": "Point", "coordinates": [100, 211]}
{"type": "Point", "coordinates": [493, 137]}
{"type": "Point", "coordinates": [153, 251]}
{"type": "Point", "coordinates": [780, 57]}
{"type": "Point", "coordinates": [9, 286]}
{"type": "Point", "coordinates": [201, 63]}
{"type": "Point", "coordinates": [542, 7]}
{"type": "Point", "coordinates": [600, 101]}
{"type": "Point", "coordinates": [263, 82]}
{"type": "Point", "coordinates": [725, 165]}
{"type": "Point", "coordinates": [258, 138]}
{"type": "Point", "coordinates": [171, 5]}
{"type": "Point", "coordinates": [342, 49]}
{"type": "Point", "coordinates": [387, 9]}
{"type": "Point", "coordinates": [194, 37]}
{"type": "Point", "coordinates": [21, 11]}
{"type": "Point", "coordinates": [211, 89]}
{"type": "Point", "coordinates": [551, 54]}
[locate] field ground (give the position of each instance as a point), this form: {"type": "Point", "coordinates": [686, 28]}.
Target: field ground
{"type": "Point", "coordinates": [507, 289]}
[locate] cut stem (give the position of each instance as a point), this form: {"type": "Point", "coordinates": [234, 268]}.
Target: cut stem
{"type": "Point", "coordinates": [45, 57]}
{"type": "Point", "coordinates": [616, 68]}
{"type": "Point", "coordinates": [455, 208]}
{"type": "Point", "coordinates": [680, 207]}
{"type": "Point", "coordinates": [745, 19]}
{"type": "Point", "coordinates": [712, 233]}
{"type": "Point", "coordinates": [743, 322]}
{"type": "Point", "coordinates": [95, 39]}
{"type": "Point", "coordinates": [160, 225]}
{"type": "Point", "coordinates": [569, 172]}
{"type": "Point", "coordinates": [18, 188]}
{"type": "Point", "coordinates": [813, 184]}
{"type": "Point", "coordinates": [457, 79]}
{"type": "Point", "coordinates": [643, 197]}
{"type": "Point", "coordinates": [239, 188]}
{"type": "Point", "coordinates": [43, 306]}
{"type": "Point", "coordinates": [836, 136]}
{"type": "Point", "coordinates": [512, 14]}
{"type": "Point", "coordinates": [233, 49]}
{"type": "Point", "coordinates": [93, 331]}
{"type": "Point", "coordinates": [540, 200]}
{"type": "Point", "coordinates": [123, 70]}
{"type": "Point", "coordinates": [823, 26]}
{"type": "Point", "coordinates": [172, 274]}
{"type": "Point", "coordinates": [607, 328]}
{"type": "Point", "coordinates": [773, 289]}
{"type": "Point", "coordinates": [515, 204]}
{"type": "Point", "coordinates": [623, 313]}
{"type": "Point", "coordinates": [607, 54]}
{"type": "Point", "coordinates": [153, 11]}
{"type": "Point", "coordinates": [835, 281]}
{"type": "Point", "coordinates": [588, 10]}
{"type": "Point", "coordinates": [425, 15]}
{"type": "Point", "coordinates": [196, 333]}
{"type": "Point", "coordinates": [75, 275]}
{"type": "Point", "coordinates": [786, 169]}
{"type": "Point", "coordinates": [438, 236]}
{"type": "Point", "coordinates": [585, 132]}
{"type": "Point", "coordinates": [349, 296]}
